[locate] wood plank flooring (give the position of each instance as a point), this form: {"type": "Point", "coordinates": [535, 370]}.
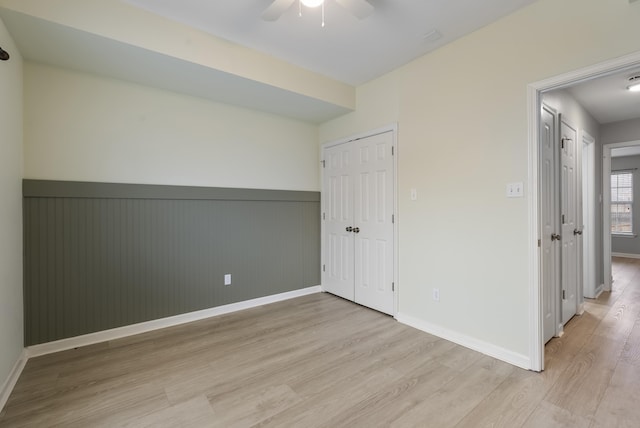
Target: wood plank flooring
{"type": "Point", "coordinates": [320, 361]}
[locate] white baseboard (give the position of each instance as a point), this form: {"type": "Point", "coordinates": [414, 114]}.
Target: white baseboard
{"type": "Point", "coordinates": [130, 330]}
{"type": "Point", "coordinates": [626, 255]}
{"type": "Point", "coordinates": [12, 379]}
{"type": "Point", "coordinates": [486, 348]}
{"type": "Point", "coordinates": [598, 291]}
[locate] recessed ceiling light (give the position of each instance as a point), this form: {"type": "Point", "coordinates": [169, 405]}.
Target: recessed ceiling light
{"type": "Point", "coordinates": [312, 3]}
{"type": "Point", "coordinates": [634, 83]}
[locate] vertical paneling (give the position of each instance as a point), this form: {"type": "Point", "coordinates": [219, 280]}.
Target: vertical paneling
{"type": "Point", "coordinates": [94, 263]}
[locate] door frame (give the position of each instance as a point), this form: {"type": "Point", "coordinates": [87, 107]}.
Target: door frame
{"type": "Point", "coordinates": [534, 102]}
{"type": "Point", "coordinates": [393, 128]}
{"type": "Point", "coordinates": [606, 207]}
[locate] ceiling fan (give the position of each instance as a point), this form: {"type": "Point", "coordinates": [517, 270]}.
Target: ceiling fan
{"type": "Point", "coordinates": [359, 8]}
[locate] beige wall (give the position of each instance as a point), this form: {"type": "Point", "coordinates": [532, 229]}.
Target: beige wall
{"type": "Point", "coordinates": [11, 330]}
{"type": "Point", "coordinates": [462, 113]}
{"type": "Point", "coordinates": [377, 107]}
{"type": "Point", "coordinates": [88, 128]}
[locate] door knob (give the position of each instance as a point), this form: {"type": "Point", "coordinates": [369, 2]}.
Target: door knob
{"type": "Point", "coordinates": [577, 232]}
{"type": "Point", "coordinates": [349, 229]}
{"type": "Point", "coordinates": [555, 237]}
{"type": "Point", "coordinates": [356, 229]}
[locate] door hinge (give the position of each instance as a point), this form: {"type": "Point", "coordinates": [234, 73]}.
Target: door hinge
{"type": "Point", "coordinates": [324, 163]}
{"type": "Point", "coordinates": [562, 143]}
{"type": "Point", "coordinates": [393, 286]}
{"type": "Point", "coordinates": [324, 268]}
{"type": "Point", "coordinates": [324, 216]}
{"type": "Point", "coordinates": [392, 151]}
{"type": "Point", "coordinates": [562, 218]}
{"type": "Point", "coordinates": [393, 218]}
{"type": "Point", "coordinates": [564, 295]}
{"type": "Point", "coordinates": [539, 243]}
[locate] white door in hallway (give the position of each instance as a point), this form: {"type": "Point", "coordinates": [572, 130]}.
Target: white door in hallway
{"type": "Point", "coordinates": [358, 202]}
{"type": "Point", "coordinates": [550, 255]}
{"type": "Point", "coordinates": [569, 220]}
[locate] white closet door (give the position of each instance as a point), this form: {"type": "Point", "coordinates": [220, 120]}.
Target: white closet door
{"type": "Point", "coordinates": [373, 210]}
{"type": "Point", "coordinates": [569, 220]}
{"type": "Point", "coordinates": [338, 218]}
{"type": "Point", "coordinates": [358, 198]}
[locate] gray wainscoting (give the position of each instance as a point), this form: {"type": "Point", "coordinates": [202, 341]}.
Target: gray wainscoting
{"type": "Point", "coordinates": [100, 255]}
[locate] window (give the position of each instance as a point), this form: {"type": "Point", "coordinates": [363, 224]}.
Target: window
{"type": "Point", "coordinates": [622, 203]}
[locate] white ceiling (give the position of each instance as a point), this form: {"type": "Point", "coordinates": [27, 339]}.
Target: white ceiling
{"type": "Point", "coordinates": [54, 44]}
{"type": "Point", "coordinates": [607, 98]}
{"type": "Point", "coordinates": [347, 49]}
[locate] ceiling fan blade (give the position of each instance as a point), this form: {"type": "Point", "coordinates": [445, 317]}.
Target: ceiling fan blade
{"type": "Point", "coordinates": [276, 9]}
{"type": "Point", "coordinates": [360, 8]}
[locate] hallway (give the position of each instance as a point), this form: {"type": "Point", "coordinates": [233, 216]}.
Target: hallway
{"type": "Point", "coordinates": [597, 360]}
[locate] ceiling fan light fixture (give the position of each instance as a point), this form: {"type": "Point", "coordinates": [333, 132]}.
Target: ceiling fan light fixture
{"type": "Point", "coordinates": [634, 84]}
{"type": "Point", "coordinates": [312, 3]}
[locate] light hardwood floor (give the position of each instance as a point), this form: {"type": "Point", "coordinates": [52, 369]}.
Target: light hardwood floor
{"type": "Point", "coordinates": [321, 361]}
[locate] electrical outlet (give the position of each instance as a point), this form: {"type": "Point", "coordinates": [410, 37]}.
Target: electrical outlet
{"type": "Point", "coordinates": [436, 294]}
{"type": "Point", "coordinates": [227, 279]}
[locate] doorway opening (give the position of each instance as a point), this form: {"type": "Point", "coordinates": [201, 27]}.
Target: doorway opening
{"type": "Point", "coordinates": [616, 153]}
{"type": "Point", "coordinates": [535, 96]}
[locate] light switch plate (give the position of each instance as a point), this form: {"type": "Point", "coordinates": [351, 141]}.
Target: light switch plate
{"type": "Point", "coordinates": [515, 190]}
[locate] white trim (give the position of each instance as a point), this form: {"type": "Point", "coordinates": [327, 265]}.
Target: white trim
{"type": "Point", "coordinates": [612, 66]}
{"type": "Point", "coordinates": [12, 379]}
{"type": "Point", "coordinates": [589, 261]}
{"type": "Point", "coordinates": [486, 348]}
{"type": "Point", "coordinates": [599, 290]}
{"type": "Point", "coordinates": [144, 327]}
{"type": "Point", "coordinates": [536, 345]}
{"type": "Point", "coordinates": [606, 216]}
{"type": "Point", "coordinates": [626, 255]}
{"type": "Point", "coordinates": [393, 128]}
{"type": "Point", "coordinates": [624, 235]}
{"type": "Point", "coordinates": [396, 211]}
